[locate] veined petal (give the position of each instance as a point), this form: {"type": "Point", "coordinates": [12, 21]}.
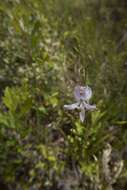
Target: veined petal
{"type": "Point", "coordinates": [77, 93]}
{"type": "Point", "coordinates": [89, 107]}
{"type": "Point", "coordinates": [88, 93]}
{"type": "Point", "coordinates": [82, 115]}
{"type": "Point", "coordinates": [71, 106]}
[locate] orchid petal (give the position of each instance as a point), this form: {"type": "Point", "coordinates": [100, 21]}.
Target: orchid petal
{"type": "Point", "coordinates": [71, 106]}
{"type": "Point", "coordinates": [88, 93]}
{"type": "Point", "coordinates": [77, 93]}
{"type": "Point", "coordinates": [89, 107]}
{"type": "Point", "coordinates": [82, 115]}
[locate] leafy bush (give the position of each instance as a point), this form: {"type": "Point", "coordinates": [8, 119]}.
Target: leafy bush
{"type": "Point", "coordinates": [46, 49]}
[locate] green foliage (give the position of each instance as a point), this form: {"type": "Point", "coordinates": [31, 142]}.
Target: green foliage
{"type": "Point", "coordinates": [18, 103]}
{"type": "Point", "coordinates": [46, 49]}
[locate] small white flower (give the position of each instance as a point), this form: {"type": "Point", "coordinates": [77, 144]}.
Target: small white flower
{"type": "Point", "coordinates": [82, 95]}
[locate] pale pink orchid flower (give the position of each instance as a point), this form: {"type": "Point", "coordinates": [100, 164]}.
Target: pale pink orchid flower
{"type": "Point", "coordinates": [82, 95]}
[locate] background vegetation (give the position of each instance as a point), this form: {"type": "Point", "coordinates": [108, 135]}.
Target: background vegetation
{"type": "Point", "coordinates": [46, 49]}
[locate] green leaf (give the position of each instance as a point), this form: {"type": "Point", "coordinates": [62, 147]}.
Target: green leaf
{"type": "Point", "coordinates": [10, 99]}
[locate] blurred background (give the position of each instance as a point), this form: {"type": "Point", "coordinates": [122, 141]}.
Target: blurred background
{"type": "Point", "coordinates": [46, 49]}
